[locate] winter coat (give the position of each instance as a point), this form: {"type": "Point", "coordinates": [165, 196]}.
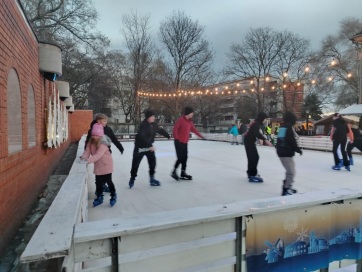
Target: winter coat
{"type": "Point", "coordinates": [109, 132]}
{"type": "Point", "coordinates": [340, 130]}
{"type": "Point", "coordinates": [101, 156]}
{"type": "Point", "coordinates": [286, 143]}
{"type": "Point", "coordinates": [147, 132]}
{"type": "Point", "coordinates": [234, 131]}
{"type": "Point", "coordinates": [253, 133]}
{"type": "Point", "coordinates": [243, 128]}
{"type": "Point", "coordinates": [183, 127]}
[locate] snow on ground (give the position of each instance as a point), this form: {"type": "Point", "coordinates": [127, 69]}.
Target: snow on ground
{"type": "Point", "coordinates": [219, 177]}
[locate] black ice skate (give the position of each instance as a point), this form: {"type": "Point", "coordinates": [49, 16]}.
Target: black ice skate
{"type": "Point", "coordinates": [185, 176]}
{"type": "Point", "coordinates": [174, 175]}
{"type": "Point", "coordinates": [154, 182]}
{"type": "Point", "coordinates": [288, 191]}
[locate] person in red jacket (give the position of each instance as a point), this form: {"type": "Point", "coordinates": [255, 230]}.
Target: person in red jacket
{"type": "Point", "coordinates": [181, 133]}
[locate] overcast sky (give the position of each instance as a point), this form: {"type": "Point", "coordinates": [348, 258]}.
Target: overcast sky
{"type": "Point", "coordinates": [227, 21]}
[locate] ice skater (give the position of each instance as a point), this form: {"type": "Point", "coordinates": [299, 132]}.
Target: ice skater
{"type": "Point", "coordinates": [250, 137]}
{"type": "Point", "coordinates": [338, 135]}
{"type": "Point", "coordinates": [286, 147]}
{"type": "Point", "coordinates": [234, 132]}
{"type": "Point", "coordinates": [355, 140]}
{"type": "Point", "coordinates": [97, 152]}
{"type": "Point", "coordinates": [181, 132]}
{"type": "Point", "coordinates": [143, 146]}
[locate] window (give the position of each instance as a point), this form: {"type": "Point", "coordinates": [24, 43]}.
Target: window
{"type": "Point", "coordinates": [14, 113]}
{"type": "Point", "coordinates": [31, 117]}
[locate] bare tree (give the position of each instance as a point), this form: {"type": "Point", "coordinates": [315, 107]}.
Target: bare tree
{"type": "Point", "coordinates": [337, 64]}
{"type": "Point", "coordinates": [267, 54]}
{"type": "Point", "coordinates": [136, 31]}
{"type": "Point", "coordinates": [189, 51]}
{"type": "Point", "coordinates": [54, 20]}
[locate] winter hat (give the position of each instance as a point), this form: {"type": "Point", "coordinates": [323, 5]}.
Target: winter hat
{"type": "Point", "coordinates": [261, 117]}
{"type": "Point", "coordinates": [149, 113]}
{"type": "Point", "coordinates": [188, 110]}
{"type": "Point", "coordinates": [97, 130]}
{"type": "Point", "coordinates": [290, 118]}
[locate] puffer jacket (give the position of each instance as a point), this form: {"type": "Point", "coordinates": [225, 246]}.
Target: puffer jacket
{"type": "Point", "coordinates": [101, 156]}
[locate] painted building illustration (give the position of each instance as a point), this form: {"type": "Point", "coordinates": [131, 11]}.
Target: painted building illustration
{"type": "Point", "coordinates": [278, 251]}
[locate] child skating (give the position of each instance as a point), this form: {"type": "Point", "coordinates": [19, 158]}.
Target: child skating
{"type": "Point", "coordinates": [286, 147]}
{"type": "Point", "coordinates": [97, 152]}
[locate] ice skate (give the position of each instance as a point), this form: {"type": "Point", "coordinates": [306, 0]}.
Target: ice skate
{"type": "Point", "coordinates": [347, 168]}
{"type": "Point", "coordinates": [113, 200]}
{"type": "Point", "coordinates": [336, 167]}
{"type": "Point", "coordinates": [131, 182]}
{"type": "Point", "coordinates": [154, 182]}
{"type": "Point", "coordinates": [340, 164]}
{"type": "Point", "coordinates": [288, 191]}
{"type": "Point", "coordinates": [174, 175]}
{"type": "Point", "coordinates": [255, 179]}
{"type": "Point", "coordinates": [185, 176]}
{"type": "Point", "coordinates": [350, 161]}
{"type": "Point", "coordinates": [98, 201]}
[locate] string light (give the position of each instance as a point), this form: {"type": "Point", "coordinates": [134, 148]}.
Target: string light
{"type": "Point", "coordinates": [238, 85]}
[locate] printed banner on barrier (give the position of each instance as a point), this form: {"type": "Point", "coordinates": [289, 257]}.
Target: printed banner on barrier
{"type": "Point", "coordinates": [304, 239]}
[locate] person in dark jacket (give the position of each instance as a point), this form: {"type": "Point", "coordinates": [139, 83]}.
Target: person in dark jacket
{"type": "Point", "coordinates": [254, 132]}
{"type": "Point", "coordinates": [102, 119]}
{"type": "Point", "coordinates": [338, 135]}
{"type": "Point", "coordinates": [143, 147]}
{"type": "Point", "coordinates": [286, 147]}
{"type": "Point", "coordinates": [356, 141]}
{"type": "Point", "coordinates": [242, 129]}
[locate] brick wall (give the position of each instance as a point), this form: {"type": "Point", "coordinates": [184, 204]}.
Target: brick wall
{"type": "Point", "coordinates": [25, 173]}
{"type": "Point", "coordinates": [79, 123]}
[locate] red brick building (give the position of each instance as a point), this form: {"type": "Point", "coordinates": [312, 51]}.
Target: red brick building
{"type": "Point", "coordinates": [27, 96]}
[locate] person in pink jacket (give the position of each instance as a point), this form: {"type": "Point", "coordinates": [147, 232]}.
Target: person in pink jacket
{"type": "Point", "coordinates": [97, 152]}
{"type": "Point", "coordinates": [181, 133]}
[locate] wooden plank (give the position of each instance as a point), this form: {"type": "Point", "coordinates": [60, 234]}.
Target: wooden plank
{"type": "Point", "coordinates": [92, 250]}
{"type": "Point", "coordinates": [175, 248]}
{"type": "Point", "coordinates": [148, 240]}
{"type": "Point", "coordinates": [188, 258]}
{"type": "Point", "coordinates": [58, 223]}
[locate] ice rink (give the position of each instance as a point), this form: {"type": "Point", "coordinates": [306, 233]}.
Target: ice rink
{"type": "Point", "coordinates": [219, 177]}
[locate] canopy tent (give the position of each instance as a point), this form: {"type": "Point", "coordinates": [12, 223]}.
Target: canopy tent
{"type": "Point", "coordinates": [355, 109]}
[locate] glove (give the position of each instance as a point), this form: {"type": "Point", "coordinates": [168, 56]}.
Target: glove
{"type": "Point", "coordinates": [301, 152]}
{"type": "Point", "coordinates": [82, 161]}
{"type": "Point", "coordinates": [122, 150]}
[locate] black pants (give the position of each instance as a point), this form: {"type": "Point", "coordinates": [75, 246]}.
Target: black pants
{"type": "Point", "coordinates": [357, 143]}
{"type": "Point", "coordinates": [101, 180]}
{"type": "Point", "coordinates": [181, 153]}
{"type": "Point", "coordinates": [253, 159]}
{"type": "Point", "coordinates": [137, 158]}
{"type": "Point", "coordinates": [343, 151]}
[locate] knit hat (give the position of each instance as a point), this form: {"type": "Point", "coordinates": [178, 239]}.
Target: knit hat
{"type": "Point", "coordinates": [261, 117]}
{"type": "Point", "coordinates": [149, 113]}
{"type": "Point", "coordinates": [97, 130]}
{"type": "Point", "coordinates": [188, 110]}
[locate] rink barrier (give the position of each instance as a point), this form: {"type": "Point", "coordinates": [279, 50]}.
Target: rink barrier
{"type": "Point", "coordinates": [195, 239]}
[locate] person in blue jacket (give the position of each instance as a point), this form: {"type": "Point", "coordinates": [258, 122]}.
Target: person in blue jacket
{"type": "Point", "coordinates": [286, 147]}
{"type": "Point", "coordinates": [234, 131]}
